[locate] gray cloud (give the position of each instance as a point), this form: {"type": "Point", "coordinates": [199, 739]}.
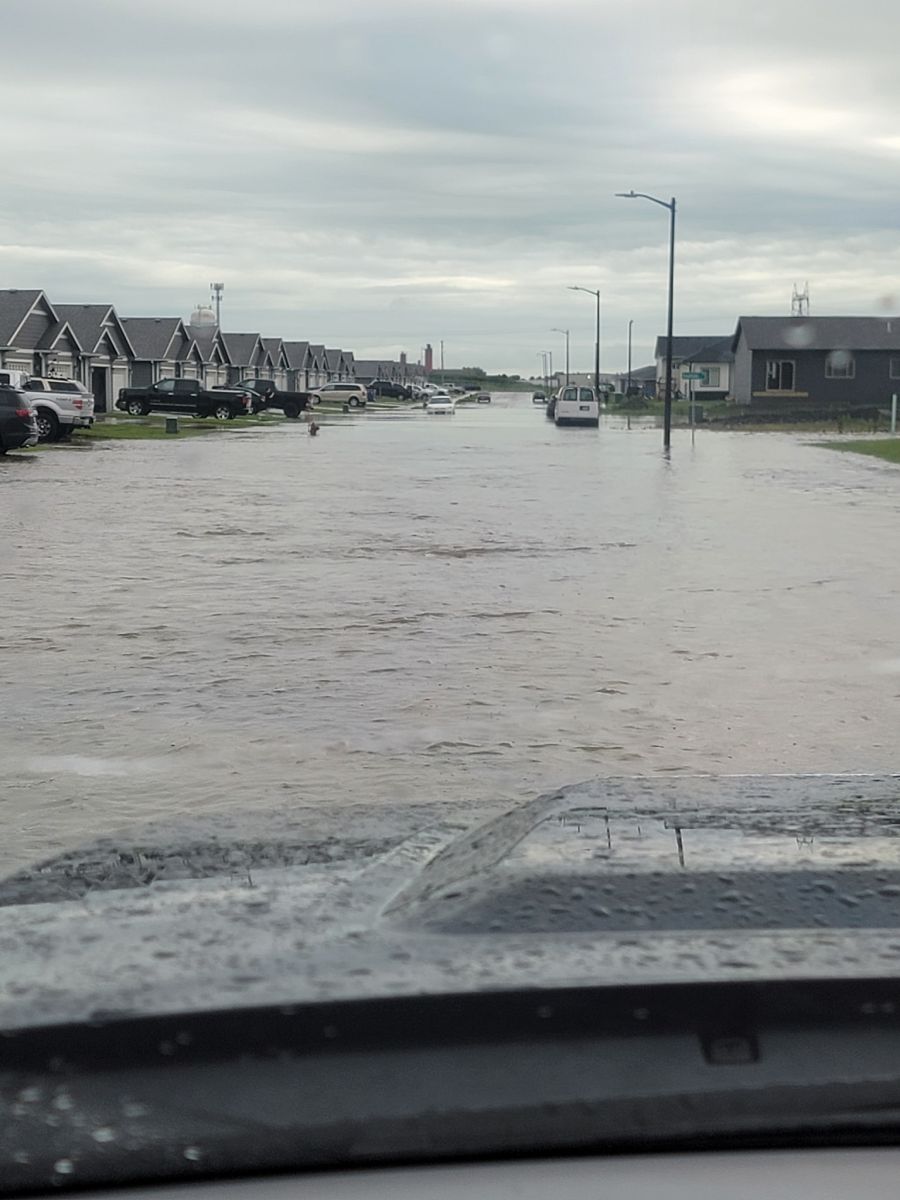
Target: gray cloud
{"type": "Point", "coordinates": [387, 173]}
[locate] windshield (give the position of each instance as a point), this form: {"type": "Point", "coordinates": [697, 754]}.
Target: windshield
{"type": "Point", "coordinates": [316, 695]}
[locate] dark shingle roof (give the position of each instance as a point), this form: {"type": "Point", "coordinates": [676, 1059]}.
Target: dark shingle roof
{"type": "Point", "coordinates": [333, 359]}
{"type": "Point", "coordinates": [644, 372]}
{"type": "Point", "coordinates": [819, 333]}
{"type": "Point", "coordinates": [89, 323]}
{"type": "Point", "coordinates": [55, 333]}
{"type": "Point", "coordinates": [275, 347]}
{"type": "Point", "coordinates": [151, 336]}
{"type": "Point", "coordinates": [14, 306]}
{"type": "Point", "coordinates": [296, 354]}
{"type": "Point", "coordinates": [205, 337]}
{"type": "Point", "coordinates": [243, 348]}
{"type": "Point", "coordinates": [686, 349]}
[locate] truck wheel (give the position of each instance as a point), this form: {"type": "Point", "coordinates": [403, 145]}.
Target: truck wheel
{"type": "Point", "coordinates": [47, 424]}
{"type": "Point", "coordinates": [222, 412]}
{"type": "Point", "coordinates": [135, 408]}
{"type": "Point", "coordinates": [291, 411]}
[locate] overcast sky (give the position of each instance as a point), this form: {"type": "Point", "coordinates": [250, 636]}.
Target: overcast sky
{"type": "Point", "coordinates": [378, 174]}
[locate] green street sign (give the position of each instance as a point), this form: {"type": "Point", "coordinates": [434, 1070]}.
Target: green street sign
{"type": "Point", "coordinates": [693, 374]}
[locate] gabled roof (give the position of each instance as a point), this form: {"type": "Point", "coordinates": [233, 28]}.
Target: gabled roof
{"type": "Point", "coordinates": [151, 337]}
{"type": "Point", "coordinates": [209, 343]}
{"type": "Point", "coordinates": [56, 333]}
{"type": "Point", "coordinates": [333, 359]}
{"type": "Point", "coordinates": [244, 349]}
{"type": "Point", "coordinates": [819, 333]}
{"type": "Point", "coordinates": [15, 305]}
{"type": "Point", "coordinates": [686, 349]}
{"type": "Point", "coordinates": [318, 354]}
{"type": "Point", "coordinates": [645, 372]}
{"type": "Point", "coordinates": [297, 354]}
{"type": "Point", "coordinates": [92, 323]}
{"type": "Point", "coordinates": [275, 347]}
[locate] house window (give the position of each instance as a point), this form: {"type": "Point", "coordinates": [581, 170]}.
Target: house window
{"type": "Point", "coordinates": [895, 368]}
{"type": "Point", "coordinates": [713, 377]}
{"type": "Point", "coordinates": [840, 364]}
{"type": "Point", "coordinates": [779, 375]}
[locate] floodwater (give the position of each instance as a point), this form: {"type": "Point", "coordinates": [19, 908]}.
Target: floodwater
{"type": "Point", "coordinates": [413, 610]}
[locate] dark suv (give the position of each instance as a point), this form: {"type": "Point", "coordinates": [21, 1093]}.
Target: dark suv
{"type": "Point", "coordinates": [17, 424]}
{"type": "Point", "coordinates": [383, 388]}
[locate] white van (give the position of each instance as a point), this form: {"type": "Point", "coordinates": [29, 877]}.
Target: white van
{"type": "Point", "coordinates": [577, 406]}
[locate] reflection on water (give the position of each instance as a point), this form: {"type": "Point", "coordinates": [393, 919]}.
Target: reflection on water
{"type": "Point", "coordinates": [406, 611]}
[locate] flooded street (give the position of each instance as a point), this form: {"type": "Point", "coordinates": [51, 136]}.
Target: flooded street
{"type": "Point", "coordinates": [413, 610]}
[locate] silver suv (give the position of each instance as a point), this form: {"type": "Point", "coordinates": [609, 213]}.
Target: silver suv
{"type": "Point", "coordinates": [60, 406]}
{"type": "Point", "coordinates": [352, 394]}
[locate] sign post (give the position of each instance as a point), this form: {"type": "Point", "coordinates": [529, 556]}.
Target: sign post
{"type": "Point", "coordinates": [894, 413]}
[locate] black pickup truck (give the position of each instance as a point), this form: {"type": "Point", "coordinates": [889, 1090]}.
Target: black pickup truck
{"type": "Point", "coordinates": [185, 396]}
{"type": "Point", "coordinates": [264, 394]}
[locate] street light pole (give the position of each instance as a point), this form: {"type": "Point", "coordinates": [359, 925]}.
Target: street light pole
{"type": "Point", "coordinates": [670, 205]}
{"type": "Point", "coordinates": [593, 292]}
{"type": "Point", "coordinates": [566, 332]}
{"type": "Point", "coordinates": [628, 389]}
{"type": "Point", "coordinates": [442, 362]}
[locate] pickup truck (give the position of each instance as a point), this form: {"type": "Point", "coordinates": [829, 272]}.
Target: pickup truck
{"type": "Point", "coordinates": [264, 394]}
{"type": "Point", "coordinates": [60, 405]}
{"type": "Point", "coordinates": [185, 396]}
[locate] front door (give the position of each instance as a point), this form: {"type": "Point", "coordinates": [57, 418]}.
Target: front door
{"type": "Point", "coordinates": [98, 387]}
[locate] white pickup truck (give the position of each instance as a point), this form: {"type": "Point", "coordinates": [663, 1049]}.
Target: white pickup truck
{"type": "Point", "coordinates": [60, 405]}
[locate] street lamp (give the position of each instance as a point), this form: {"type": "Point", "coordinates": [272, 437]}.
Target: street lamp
{"type": "Point", "coordinates": [592, 292]}
{"type": "Point", "coordinates": [628, 389]}
{"type": "Point", "coordinates": [670, 205]}
{"type": "Point", "coordinates": [566, 332]}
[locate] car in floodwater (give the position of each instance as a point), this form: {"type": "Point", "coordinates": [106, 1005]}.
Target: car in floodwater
{"type": "Point", "coordinates": [18, 425]}
{"type": "Point", "coordinates": [440, 404]}
{"type": "Point", "coordinates": [577, 406]}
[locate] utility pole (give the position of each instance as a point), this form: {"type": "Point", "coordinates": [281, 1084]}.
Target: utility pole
{"type": "Point", "coordinates": [670, 205]}
{"type": "Point", "coordinates": [566, 332]}
{"type": "Point", "coordinates": [628, 389]}
{"type": "Point", "coordinates": [596, 294]}
{"type": "Point", "coordinates": [217, 290]}
{"type": "Point", "coordinates": [442, 362]}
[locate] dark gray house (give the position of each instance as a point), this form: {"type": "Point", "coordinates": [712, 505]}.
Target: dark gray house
{"type": "Point", "coordinates": [247, 357]}
{"type": "Point", "coordinates": [816, 362]}
{"type": "Point", "coordinates": [104, 363]}
{"type": "Point", "coordinates": [163, 349]}
{"type": "Point", "coordinates": [298, 365]}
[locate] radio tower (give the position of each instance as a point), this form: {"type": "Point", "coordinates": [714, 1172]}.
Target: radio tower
{"type": "Point", "coordinates": [800, 301]}
{"type": "Point", "coordinates": [217, 289]}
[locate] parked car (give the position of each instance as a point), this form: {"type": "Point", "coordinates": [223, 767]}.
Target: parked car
{"type": "Point", "coordinates": [353, 394]}
{"type": "Point", "coordinates": [18, 426]}
{"type": "Point", "coordinates": [60, 406]}
{"type": "Point", "coordinates": [185, 396]}
{"type": "Point", "coordinates": [264, 394]}
{"type": "Point", "coordinates": [384, 389]}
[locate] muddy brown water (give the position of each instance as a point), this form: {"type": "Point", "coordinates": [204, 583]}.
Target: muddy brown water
{"type": "Point", "coordinates": [413, 610]}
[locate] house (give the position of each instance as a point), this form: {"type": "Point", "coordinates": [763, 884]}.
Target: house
{"type": "Point", "coordinates": [368, 369]}
{"type": "Point", "coordinates": [213, 354]}
{"type": "Point", "coordinates": [318, 371]}
{"type": "Point", "coordinates": [335, 366]}
{"type": "Point", "coordinates": [104, 363]}
{"type": "Point", "coordinates": [298, 366]}
{"type": "Point", "coordinates": [163, 349]}
{"type": "Point", "coordinates": [710, 355]}
{"type": "Point", "coordinates": [816, 362]}
{"type": "Point", "coordinates": [33, 336]}
{"type": "Point", "coordinates": [247, 357]}
{"type": "Point", "coordinates": [275, 349]}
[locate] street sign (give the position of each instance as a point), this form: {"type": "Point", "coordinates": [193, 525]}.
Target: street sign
{"type": "Point", "coordinates": [693, 374]}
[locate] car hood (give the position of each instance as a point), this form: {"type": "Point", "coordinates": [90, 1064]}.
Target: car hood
{"type": "Point", "coordinates": [609, 881]}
